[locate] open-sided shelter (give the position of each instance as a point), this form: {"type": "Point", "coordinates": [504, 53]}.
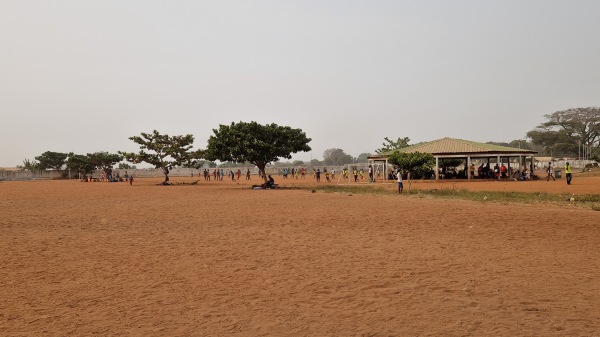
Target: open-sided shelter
{"type": "Point", "coordinates": [469, 151]}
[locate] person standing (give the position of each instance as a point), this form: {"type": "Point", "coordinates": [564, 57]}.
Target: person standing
{"type": "Point", "coordinates": [550, 172]}
{"type": "Point", "coordinates": [503, 171]}
{"type": "Point", "coordinates": [131, 179]}
{"type": "Point", "coordinates": [400, 185]}
{"type": "Point", "coordinates": [568, 173]}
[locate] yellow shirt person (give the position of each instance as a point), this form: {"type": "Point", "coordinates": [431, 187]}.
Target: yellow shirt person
{"type": "Point", "coordinates": [568, 173]}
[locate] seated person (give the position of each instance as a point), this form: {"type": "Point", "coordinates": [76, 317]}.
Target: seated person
{"type": "Point", "coordinates": [525, 174]}
{"type": "Point", "coordinates": [271, 182]}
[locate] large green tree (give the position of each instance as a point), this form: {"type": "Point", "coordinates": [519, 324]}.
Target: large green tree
{"type": "Point", "coordinates": [163, 151]}
{"type": "Point", "coordinates": [80, 163]}
{"type": "Point", "coordinates": [415, 163]}
{"type": "Point", "coordinates": [255, 143]}
{"type": "Point", "coordinates": [51, 160]}
{"type": "Point", "coordinates": [565, 131]}
{"type": "Point", "coordinates": [391, 145]}
{"type": "Point", "coordinates": [104, 160]}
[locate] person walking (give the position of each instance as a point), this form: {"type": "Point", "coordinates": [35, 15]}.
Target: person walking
{"type": "Point", "coordinates": [568, 173]}
{"type": "Point", "coordinates": [400, 185]}
{"type": "Point", "coordinates": [550, 172]}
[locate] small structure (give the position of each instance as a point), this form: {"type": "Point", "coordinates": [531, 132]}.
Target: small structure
{"type": "Point", "coordinates": [469, 151]}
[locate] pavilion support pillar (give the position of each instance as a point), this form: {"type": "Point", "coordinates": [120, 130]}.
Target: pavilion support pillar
{"type": "Point", "coordinates": [498, 163]}
{"type": "Point", "coordinates": [468, 168]}
{"type": "Point", "coordinates": [437, 168]}
{"type": "Point", "coordinates": [521, 163]}
{"type": "Point", "coordinates": [385, 170]}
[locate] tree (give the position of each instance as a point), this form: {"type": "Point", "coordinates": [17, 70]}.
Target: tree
{"type": "Point", "coordinates": [31, 165]}
{"type": "Point", "coordinates": [163, 151]}
{"type": "Point", "coordinates": [315, 163]}
{"type": "Point", "coordinates": [298, 163]}
{"type": "Point", "coordinates": [104, 160]}
{"type": "Point", "coordinates": [390, 145]}
{"type": "Point", "coordinates": [555, 143]}
{"type": "Point", "coordinates": [80, 163]}
{"type": "Point", "coordinates": [415, 163]}
{"type": "Point", "coordinates": [336, 157]}
{"type": "Point", "coordinates": [126, 166]}
{"type": "Point", "coordinates": [198, 164]}
{"type": "Point", "coordinates": [255, 143]}
{"type": "Point", "coordinates": [565, 130]}
{"type": "Point", "coordinates": [51, 160]}
{"type": "Point", "coordinates": [363, 157]}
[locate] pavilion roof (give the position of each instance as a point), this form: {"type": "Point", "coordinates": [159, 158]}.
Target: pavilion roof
{"type": "Point", "coordinates": [450, 146]}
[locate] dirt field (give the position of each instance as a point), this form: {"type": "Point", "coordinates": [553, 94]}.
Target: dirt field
{"type": "Point", "coordinates": [221, 259]}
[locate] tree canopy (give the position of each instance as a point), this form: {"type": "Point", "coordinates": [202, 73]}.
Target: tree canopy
{"type": "Point", "coordinates": [126, 166]}
{"type": "Point", "coordinates": [163, 151]}
{"type": "Point", "coordinates": [336, 157]}
{"type": "Point", "coordinates": [363, 157]}
{"type": "Point", "coordinates": [391, 145]}
{"type": "Point", "coordinates": [564, 131]}
{"type": "Point", "coordinates": [415, 163]}
{"type": "Point", "coordinates": [255, 143]}
{"type": "Point", "coordinates": [104, 160]}
{"type": "Point", "coordinates": [31, 165]}
{"type": "Point", "coordinates": [80, 163]}
{"type": "Point", "coordinates": [51, 160]}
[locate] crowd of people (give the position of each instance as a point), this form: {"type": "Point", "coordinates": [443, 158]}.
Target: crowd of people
{"type": "Point", "coordinates": [484, 171]}
{"type": "Point", "coordinates": [353, 173]}
{"type": "Point", "coordinates": [107, 176]}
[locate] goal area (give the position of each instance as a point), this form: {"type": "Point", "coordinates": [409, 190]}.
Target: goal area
{"type": "Point", "coordinates": [358, 173]}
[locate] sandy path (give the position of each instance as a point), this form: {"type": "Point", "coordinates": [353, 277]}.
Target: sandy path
{"type": "Point", "coordinates": [219, 259]}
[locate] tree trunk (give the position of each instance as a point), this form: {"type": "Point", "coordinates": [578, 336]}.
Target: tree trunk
{"type": "Point", "coordinates": [261, 167]}
{"type": "Point", "coordinates": [166, 172]}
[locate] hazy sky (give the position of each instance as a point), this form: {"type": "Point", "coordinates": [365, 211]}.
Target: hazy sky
{"type": "Point", "coordinates": [83, 76]}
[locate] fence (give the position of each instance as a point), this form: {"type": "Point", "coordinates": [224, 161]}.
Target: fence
{"type": "Point", "coordinates": [138, 173]}
{"type": "Point", "coordinates": [29, 175]}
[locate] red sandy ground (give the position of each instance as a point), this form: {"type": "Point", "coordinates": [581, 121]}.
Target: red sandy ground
{"type": "Point", "coordinates": [221, 259]}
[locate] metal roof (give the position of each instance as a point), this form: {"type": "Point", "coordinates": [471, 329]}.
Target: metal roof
{"type": "Point", "coordinates": [451, 146]}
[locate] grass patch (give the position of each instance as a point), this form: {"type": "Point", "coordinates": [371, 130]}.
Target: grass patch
{"type": "Point", "coordinates": [494, 196]}
{"type": "Point", "coordinates": [586, 200]}
{"type": "Point", "coordinates": [352, 189]}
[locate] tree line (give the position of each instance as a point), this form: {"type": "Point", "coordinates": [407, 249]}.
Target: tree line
{"type": "Point", "coordinates": [568, 133]}
{"type": "Point", "coordinates": [238, 142]}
